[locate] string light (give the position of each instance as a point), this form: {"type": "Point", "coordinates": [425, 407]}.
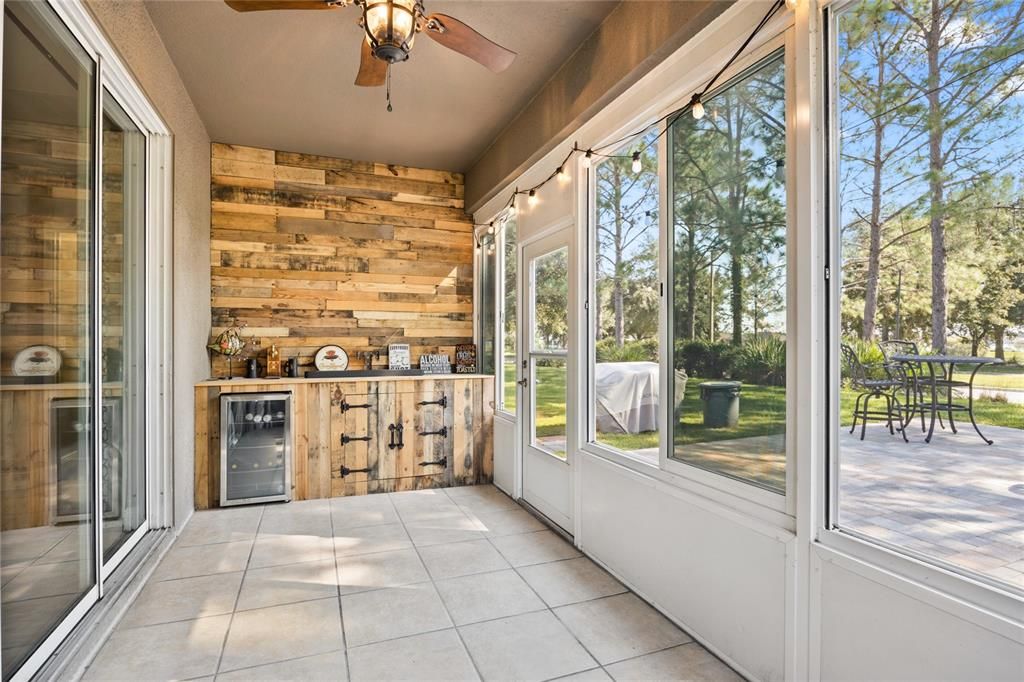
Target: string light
{"type": "Point", "coordinates": [532, 198]}
{"type": "Point", "coordinates": [512, 211]}
{"type": "Point", "coordinates": [561, 174]}
{"type": "Point", "coordinates": [697, 107]}
{"type": "Point", "coordinates": [637, 166]}
{"type": "Point", "coordinates": [490, 228]}
{"type": "Point", "coordinates": [780, 170]}
{"type": "Point", "coordinates": [792, 4]}
{"type": "Point", "coordinates": [588, 158]}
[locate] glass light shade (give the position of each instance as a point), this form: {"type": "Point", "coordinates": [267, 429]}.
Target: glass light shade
{"type": "Point", "coordinates": [397, 15]}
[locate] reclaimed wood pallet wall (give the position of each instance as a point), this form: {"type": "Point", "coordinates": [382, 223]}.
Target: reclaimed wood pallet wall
{"type": "Point", "coordinates": [310, 250]}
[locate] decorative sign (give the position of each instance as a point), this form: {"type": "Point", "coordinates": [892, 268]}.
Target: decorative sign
{"type": "Point", "coordinates": [36, 361]}
{"type": "Point", "coordinates": [435, 364]}
{"type": "Point", "coordinates": [465, 358]}
{"type": "Point", "coordinates": [398, 356]}
{"type": "Point", "coordinates": [331, 358]}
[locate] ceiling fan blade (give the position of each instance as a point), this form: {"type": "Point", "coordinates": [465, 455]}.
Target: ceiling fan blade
{"type": "Point", "coordinates": [372, 71]}
{"type": "Point", "coordinates": [457, 36]}
{"type": "Point", "coordinates": [262, 5]}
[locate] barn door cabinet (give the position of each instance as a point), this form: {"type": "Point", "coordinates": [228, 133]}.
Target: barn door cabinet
{"type": "Point", "coordinates": [360, 437]}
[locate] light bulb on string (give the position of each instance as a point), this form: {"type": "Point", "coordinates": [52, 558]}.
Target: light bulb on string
{"type": "Point", "coordinates": [588, 158]}
{"type": "Point", "coordinates": [490, 228]}
{"type": "Point", "coordinates": [561, 174]}
{"type": "Point", "coordinates": [637, 166]}
{"type": "Point", "coordinates": [512, 208]}
{"type": "Point", "coordinates": [792, 4]}
{"type": "Point", "coordinates": [697, 107]}
{"type": "Point", "coordinates": [531, 198]}
{"type": "Point", "coordinates": [780, 170]}
{"type": "Point", "coordinates": [490, 249]}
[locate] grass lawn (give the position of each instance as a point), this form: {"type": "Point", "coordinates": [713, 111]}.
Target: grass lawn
{"type": "Point", "coordinates": [762, 412]}
{"type": "Point", "coordinates": [1009, 376]}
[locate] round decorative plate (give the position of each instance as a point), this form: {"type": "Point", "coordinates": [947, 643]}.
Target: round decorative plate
{"type": "Point", "coordinates": [36, 361]}
{"type": "Point", "coordinates": [331, 358]}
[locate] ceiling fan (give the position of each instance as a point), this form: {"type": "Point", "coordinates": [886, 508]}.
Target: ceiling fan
{"type": "Point", "coordinates": [391, 27]}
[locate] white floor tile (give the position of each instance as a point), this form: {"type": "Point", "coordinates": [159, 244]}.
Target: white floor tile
{"type": "Point", "coordinates": [533, 646]}
{"type": "Point", "coordinates": [280, 633]}
{"type": "Point", "coordinates": [391, 613]}
{"type": "Point", "coordinates": [379, 570]}
{"type": "Point", "coordinates": [173, 651]}
{"type": "Point", "coordinates": [328, 667]}
{"type": "Point", "coordinates": [620, 627]}
{"type": "Point", "coordinates": [534, 548]}
{"type": "Point", "coordinates": [487, 596]}
{"type": "Point", "coordinates": [287, 584]}
{"type": "Point", "coordinates": [574, 580]}
{"type": "Point", "coordinates": [462, 558]}
{"type": "Point", "coordinates": [690, 662]}
{"type": "Point", "coordinates": [184, 599]}
{"type": "Point", "coordinates": [431, 656]}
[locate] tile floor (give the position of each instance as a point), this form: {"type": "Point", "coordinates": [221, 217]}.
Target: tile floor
{"type": "Point", "coordinates": [428, 585]}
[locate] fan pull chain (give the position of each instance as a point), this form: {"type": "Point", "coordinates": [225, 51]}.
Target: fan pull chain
{"type": "Point", "coordinates": [389, 89]}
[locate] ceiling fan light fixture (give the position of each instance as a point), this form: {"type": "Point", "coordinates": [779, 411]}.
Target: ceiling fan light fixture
{"type": "Point", "coordinates": [390, 27]}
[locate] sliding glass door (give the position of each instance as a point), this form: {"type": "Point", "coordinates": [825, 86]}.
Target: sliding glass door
{"type": "Point", "coordinates": [123, 469]}
{"type": "Point", "coordinates": [73, 472]}
{"type": "Point", "coordinates": [47, 270]}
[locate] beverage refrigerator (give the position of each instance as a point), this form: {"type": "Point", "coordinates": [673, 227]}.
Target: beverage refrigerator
{"type": "Point", "coordinates": [255, 448]}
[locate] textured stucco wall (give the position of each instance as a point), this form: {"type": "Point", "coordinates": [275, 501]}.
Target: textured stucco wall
{"type": "Point", "coordinates": [128, 26]}
{"type": "Point", "coordinates": [632, 40]}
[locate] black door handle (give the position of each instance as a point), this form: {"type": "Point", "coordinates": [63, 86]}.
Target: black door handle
{"type": "Point", "coordinates": [440, 462]}
{"type": "Point", "coordinates": [443, 432]}
{"type": "Point", "coordinates": [346, 439]}
{"type": "Point", "coordinates": [396, 430]}
{"type": "Point", "coordinates": [345, 471]}
{"type": "Point", "coordinates": [442, 401]}
{"type": "Point", "coordinates": [345, 406]}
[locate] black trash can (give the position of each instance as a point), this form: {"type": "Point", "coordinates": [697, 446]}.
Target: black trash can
{"type": "Point", "coordinates": [721, 403]}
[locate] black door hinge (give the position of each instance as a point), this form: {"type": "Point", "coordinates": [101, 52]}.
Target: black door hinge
{"type": "Point", "coordinates": [443, 432]}
{"type": "Point", "coordinates": [345, 471]}
{"type": "Point", "coordinates": [437, 462]}
{"type": "Point", "coordinates": [442, 401]}
{"type": "Point", "coordinates": [346, 439]}
{"type": "Point", "coordinates": [345, 407]}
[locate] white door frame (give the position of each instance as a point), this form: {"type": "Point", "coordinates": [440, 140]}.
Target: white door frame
{"type": "Point", "coordinates": [557, 235]}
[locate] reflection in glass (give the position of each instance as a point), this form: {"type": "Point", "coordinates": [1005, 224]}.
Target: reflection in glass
{"type": "Point", "coordinates": [47, 536]}
{"type": "Point", "coordinates": [124, 460]}
{"type": "Point", "coordinates": [549, 390]}
{"type": "Point", "coordinates": [729, 280]}
{"type": "Point", "coordinates": [509, 323]}
{"type": "Point", "coordinates": [626, 300]}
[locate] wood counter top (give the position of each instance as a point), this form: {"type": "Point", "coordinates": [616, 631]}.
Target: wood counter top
{"type": "Point", "coordinates": [290, 381]}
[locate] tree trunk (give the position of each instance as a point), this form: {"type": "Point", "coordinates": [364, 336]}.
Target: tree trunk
{"type": "Point", "coordinates": [736, 276]}
{"type": "Point", "coordinates": [690, 319]}
{"type": "Point", "coordinates": [875, 225]}
{"type": "Point", "coordinates": [617, 301]}
{"type": "Point", "coordinates": [1000, 335]}
{"type": "Point", "coordinates": [936, 182]}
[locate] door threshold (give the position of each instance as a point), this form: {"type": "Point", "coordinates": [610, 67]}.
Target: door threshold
{"type": "Point", "coordinates": [539, 515]}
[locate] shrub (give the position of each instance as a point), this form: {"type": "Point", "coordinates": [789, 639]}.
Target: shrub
{"type": "Point", "coordinates": [645, 350]}
{"type": "Point", "coordinates": [763, 361]}
{"type": "Point", "coordinates": [711, 360]}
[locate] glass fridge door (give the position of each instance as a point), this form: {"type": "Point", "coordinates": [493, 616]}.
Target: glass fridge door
{"type": "Point", "coordinates": [255, 448]}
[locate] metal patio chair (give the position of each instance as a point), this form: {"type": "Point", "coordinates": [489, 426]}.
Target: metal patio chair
{"type": "Point", "coordinates": [870, 387]}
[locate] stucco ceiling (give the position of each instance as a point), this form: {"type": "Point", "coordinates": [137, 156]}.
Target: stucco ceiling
{"type": "Point", "coordinates": [284, 80]}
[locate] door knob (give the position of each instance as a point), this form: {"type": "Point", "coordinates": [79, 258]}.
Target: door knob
{"type": "Point", "coordinates": [522, 382]}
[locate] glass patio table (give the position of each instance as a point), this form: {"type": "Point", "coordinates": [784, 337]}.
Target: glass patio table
{"type": "Point", "coordinates": [944, 376]}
